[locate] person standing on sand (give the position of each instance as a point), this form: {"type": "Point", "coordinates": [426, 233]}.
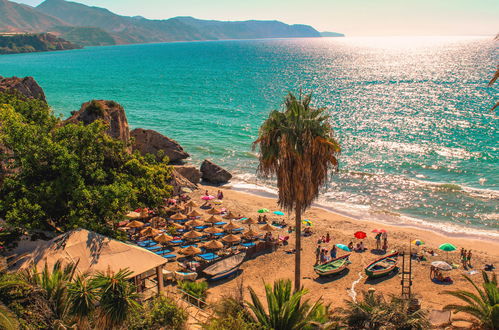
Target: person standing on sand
{"type": "Point", "coordinates": [463, 258]}
{"type": "Point", "coordinates": [385, 244]}
{"type": "Point", "coordinates": [220, 195]}
{"type": "Point", "coordinates": [378, 241]}
{"type": "Point", "coordinates": [328, 238]}
{"type": "Point", "coordinates": [206, 192]}
{"type": "Point", "coordinates": [333, 252]}
{"type": "Point", "coordinates": [317, 254]}
{"type": "Point", "coordinates": [468, 259]}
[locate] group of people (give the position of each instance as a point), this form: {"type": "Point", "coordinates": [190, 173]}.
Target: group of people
{"type": "Point", "coordinates": [360, 247]}
{"type": "Point", "coordinates": [466, 258]}
{"type": "Point", "coordinates": [436, 275]}
{"type": "Point", "coordinates": [381, 241]}
{"type": "Point", "coordinates": [322, 255]}
{"type": "Point", "coordinates": [220, 194]}
{"type": "Point", "coordinates": [262, 219]}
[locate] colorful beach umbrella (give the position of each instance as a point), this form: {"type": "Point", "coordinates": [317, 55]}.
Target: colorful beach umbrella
{"type": "Point", "coordinates": [307, 222]}
{"type": "Point", "coordinates": [278, 213]}
{"type": "Point", "coordinates": [217, 202]}
{"type": "Point", "coordinates": [343, 247]}
{"type": "Point", "coordinates": [360, 235]}
{"type": "Point", "coordinates": [207, 197]}
{"type": "Point", "coordinates": [417, 242]}
{"type": "Point", "coordinates": [442, 265]}
{"type": "Point", "coordinates": [263, 210]}
{"type": "Point", "coordinates": [447, 247]}
{"type": "Point", "coordinates": [379, 231]}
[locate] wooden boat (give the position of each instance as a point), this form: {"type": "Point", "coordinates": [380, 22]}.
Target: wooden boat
{"type": "Point", "coordinates": [185, 276]}
{"type": "Point", "coordinates": [382, 266]}
{"type": "Point", "coordinates": [224, 268]}
{"type": "Point", "coordinates": [335, 266]}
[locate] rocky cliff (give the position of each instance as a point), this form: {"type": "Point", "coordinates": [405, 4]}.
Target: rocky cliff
{"type": "Point", "coordinates": [26, 87]}
{"type": "Point", "coordinates": [147, 141]}
{"type": "Point", "coordinates": [29, 43]}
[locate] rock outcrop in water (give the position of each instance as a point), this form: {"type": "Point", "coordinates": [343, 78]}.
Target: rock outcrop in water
{"type": "Point", "coordinates": [26, 87]}
{"type": "Point", "coordinates": [213, 173]}
{"type": "Point", "coordinates": [191, 173]}
{"type": "Point", "coordinates": [110, 112]}
{"type": "Point", "coordinates": [147, 141]}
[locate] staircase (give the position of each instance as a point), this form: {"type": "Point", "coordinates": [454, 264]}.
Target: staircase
{"type": "Point", "coordinates": [406, 270]}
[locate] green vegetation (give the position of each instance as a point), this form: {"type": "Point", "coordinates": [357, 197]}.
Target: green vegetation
{"type": "Point", "coordinates": [298, 147]}
{"type": "Point", "coordinates": [85, 36]}
{"type": "Point", "coordinates": [161, 312]}
{"type": "Point", "coordinates": [231, 314]}
{"type": "Point", "coordinates": [70, 176]}
{"type": "Point", "coordinates": [482, 305]}
{"type": "Point", "coordinates": [374, 312]}
{"type": "Point", "coordinates": [28, 43]}
{"type": "Point", "coordinates": [197, 289]}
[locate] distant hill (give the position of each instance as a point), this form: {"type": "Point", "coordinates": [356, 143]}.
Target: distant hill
{"type": "Point", "coordinates": [16, 17]}
{"type": "Point", "coordinates": [37, 42]}
{"type": "Point", "coordinates": [125, 29]}
{"type": "Point", "coordinates": [331, 34]}
{"type": "Point", "coordinates": [85, 36]}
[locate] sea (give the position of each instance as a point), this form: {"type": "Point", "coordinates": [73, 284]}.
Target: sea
{"type": "Point", "coordinates": [419, 144]}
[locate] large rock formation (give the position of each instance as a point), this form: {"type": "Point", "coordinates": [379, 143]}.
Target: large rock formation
{"type": "Point", "coordinates": [110, 112]}
{"type": "Point", "coordinates": [26, 87]}
{"type": "Point", "coordinates": [178, 181]}
{"type": "Point", "coordinates": [191, 173]}
{"type": "Point", "coordinates": [213, 173]}
{"type": "Point", "coordinates": [147, 141]}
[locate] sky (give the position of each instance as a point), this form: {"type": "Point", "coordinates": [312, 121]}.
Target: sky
{"type": "Point", "coordinates": [352, 17]}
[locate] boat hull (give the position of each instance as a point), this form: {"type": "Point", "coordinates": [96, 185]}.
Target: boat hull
{"type": "Point", "coordinates": [333, 271]}
{"type": "Point", "coordinates": [377, 273]}
{"type": "Point", "coordinates": [223, 275]}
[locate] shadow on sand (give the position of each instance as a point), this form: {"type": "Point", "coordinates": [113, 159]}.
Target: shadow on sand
{"type": "Point", "coordinates": [392, 274]}
{"type": "Point", "coordinates": [225, 280]}
{"type": "Point", "coordinates": [378, 252]}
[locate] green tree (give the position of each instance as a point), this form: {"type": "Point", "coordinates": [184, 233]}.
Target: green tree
{"type": "Point", "coordinates": [298, 147]}
{"type": "Point", "coordinates": [286, 310]}
{"type": "Point", "coordinates": [482, 305]}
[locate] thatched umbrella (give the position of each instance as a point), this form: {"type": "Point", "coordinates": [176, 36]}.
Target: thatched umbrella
{"type": "Point", "coordinates": [156, 221]}
{"type": "Point", "coordinates": [191, 204]}
{"type": "Point", "coordinates": [213, 219]}
{"type": "Point", "coordinates": [163, 238]}
{"type": "Point", "coordinates": [135, 224]}
{"type": "Point", "coordinates": [214, 211]}
{"type": "Point", "coordinates": [267, 227]}
{"type": "Point", "coordinates": [192, 234]}
{"type": "Point", "coordinates": [149, 231]}
{"type": "Point", "coordinates": [250, 233]}
{"type": "Point", "coordinates": [230, 226]}
{"type": "Point", "coordinates": [249, 221]}
{"type": "Point", "coordinates": [178, 216]}
{"type": "Point", "coordinates": [213, 230]}
{"type": "Point", "coordinates": [194, 214]}
{"type": "Point", "coordinates": [144, 213]}
{"type": "Point", "coordinates": [231, 238]}
{"type": "Point", "coordinates": [194, 223]}
{"type": "Point", "coordinates": [133, 215]}
{"type": "Point", "coordinates": [177, 225]}
{"type": "Point", "coordinates": [190, 251]}
{"type": "Point", "coordinates": [213, 245]}
{"type": "Point", "coordinates": [231, 215]}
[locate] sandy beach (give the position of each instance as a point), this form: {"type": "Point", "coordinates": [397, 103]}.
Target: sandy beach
{"type": "Point", "coordinates": [336, 290]}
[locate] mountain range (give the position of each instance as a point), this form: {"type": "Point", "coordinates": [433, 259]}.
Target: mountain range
{"type": "Point", "coordinates": [86, 25]}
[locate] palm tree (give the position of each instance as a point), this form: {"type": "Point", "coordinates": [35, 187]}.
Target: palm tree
{"type": "Point", "coordinates": [83, 297]}
{"type": "Point", "coordinates": [297, 146]}
{"type": "Point", "coordinates": [286, 311]}
{"type": "Point", "coordinates": [117, 298]}
{"type": "Point", "coordinates": [8, 320]}
{"type": "Point", "coordinates": [483, 305]}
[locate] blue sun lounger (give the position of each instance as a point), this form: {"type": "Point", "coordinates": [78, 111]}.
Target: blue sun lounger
{"type": "Point", "coordinates": [248, 244]}
{"type": "Point", "coordinates": [153, 248]}
{"type": "Point", "coordinates": [177, 242]}
{"type": "Point", "coordinates": [208, 256]}
{"type": "Point", "coordinates": [185, 246]}
{"type": "Point", "coordinates": [220, 223]}
{"type": "Point", "coordinates": [146, 243]}
{"type": "Point", "coordinates": [169, 256]}
{"type": "Point", "coordinates": [162, 252]}
{"type": "Point", "coordinates": [237, 230]}
{"type": "Point", "coordinates": [219, 234]}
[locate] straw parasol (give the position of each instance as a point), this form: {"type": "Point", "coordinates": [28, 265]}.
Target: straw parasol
{"type": "Point", "coordinates": [230, 226]}
{"type": "Point", "coordinates": [231, 215]}
{"type": "Point", "coordinates": [231, 238]}
{"type": "Point", "coordinates": [177, 225]}
{"type": "Point", "coordinates": [133, 215]}
{"type": "Point", "coordinates": [191, 204]}
{"type": "Point", "coordinates": [144, 212]}
{"type": "Point", "coordinates": [194, 223]}
{"type": "Point", "coordinates": [135, 224]}
{"type": "Point", "coordinates": [163, 238]}
{"type": "Point", "coordinates": [194, 213]}
{"type": "Point", "coordinates": [250, 233]}
{"type": "Point", "coordinates": [192, 234]}
{"type": "Point", "coordinates": [267, 227]}
{"type": "Point", "coordinates": [213, 219]}
{"type": "Point", "coordinates": [178, 216]}
{"type": "Point", "coordinates": [213, 230]}
{"type": "Point", "coordinates": [190, 251]}
{"type": "Point", "coordinates": [249, 221]}
{"type": "Point", "coordinates": [149, 231]}
{"type": "Point", "coordinates": [214, 211]}
{"type": "Point", "coordinates": [213, 245]}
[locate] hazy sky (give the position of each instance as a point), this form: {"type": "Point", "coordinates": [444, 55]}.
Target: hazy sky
{"type": "Point", "coordinates": [353, 17]}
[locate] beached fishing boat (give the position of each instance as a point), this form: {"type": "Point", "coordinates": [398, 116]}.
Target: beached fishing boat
{"type": "Point", "coordinates": [224, 268]}
{"type": "Point", "coordinates": [335, 266]}
{"type": "Point", "coordinates": [382, 266]}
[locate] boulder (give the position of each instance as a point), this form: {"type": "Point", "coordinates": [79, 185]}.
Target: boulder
{"type": "Point", "coordinates": [178, 181]}
{"type": "Point", "coordinates": [147, 141]}
{"type": "Point", "coordinates": [191, 173]}
{"type": "Point", "coordinates": [213, 173]}
{"type": "Point", "coordinates": [26, 87]}
{"type": "Point", "coordinates": [110, 112]}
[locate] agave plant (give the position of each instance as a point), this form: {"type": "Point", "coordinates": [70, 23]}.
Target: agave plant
{"type": "Point", "coordinates": [286, 310]}
{"type": "Point", "coordinates": [297, 146]}
{"type": "Point", "coordinates": [117, 298]}
{"type": "Point", "coordinates": [482, 305]}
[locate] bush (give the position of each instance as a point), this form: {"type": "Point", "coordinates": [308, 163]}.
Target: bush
{"type": "Point", "coordinates": [198, 289]}
{"type": "Point", "coordinates": [161, 312]}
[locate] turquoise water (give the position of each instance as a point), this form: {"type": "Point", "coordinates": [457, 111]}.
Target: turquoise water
{"type": "Point", "coordinates": [411, 113]}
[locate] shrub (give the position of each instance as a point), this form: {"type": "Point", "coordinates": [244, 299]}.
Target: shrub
{"type": "Point", "coordinates": [161, 312]}
{"type": "Point", "coordinates": [198, 289]}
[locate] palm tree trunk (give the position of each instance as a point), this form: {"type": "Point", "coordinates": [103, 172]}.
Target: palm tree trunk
{"type": "Point", "coordinates": [298, 248]}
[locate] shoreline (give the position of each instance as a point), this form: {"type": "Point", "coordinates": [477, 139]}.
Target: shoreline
{"type": "Point", "coordinates": [446, 229]}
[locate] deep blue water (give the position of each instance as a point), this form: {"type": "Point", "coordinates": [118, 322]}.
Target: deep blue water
{"type": "Point", "coordinates": [411, 113]}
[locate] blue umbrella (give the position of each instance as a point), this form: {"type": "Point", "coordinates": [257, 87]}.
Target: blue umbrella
{"type": "Point", "coordinates": [278, 212]}
{"type": "Point", "coordinates": [343, 247]}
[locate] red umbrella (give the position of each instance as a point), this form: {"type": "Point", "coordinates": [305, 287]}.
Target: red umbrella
{"type": "Point", "coordinates": [360, 235]}
{"type": "Point", "coordinates": [379, 231]}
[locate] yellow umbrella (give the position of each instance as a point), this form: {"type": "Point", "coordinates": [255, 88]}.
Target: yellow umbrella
{"type": "Point", "coordinates": [213, 219]}
{"type": "Point", "coordinates": [192, 234]}
{"type": "Point", "coordinates": [190, 250]}
{"type": "Point", "coordinates": [163, 238]}
{"type": "Point", "coordinates": [213, 245]}
{"type": "Point", "coordinates": [214, 211]}
{"type": "Point", "coordinates": [149, 231]}
{"type": "Point", "coordinates": [133, 215]}
{"type": "Point", "coordinates": [230, 226]}
{"type": "Point", "coordinates": [249, 221]}
{"type": "Point", "coordinates": [267, 227]}
{"type": "Point", "coordinates": [178, 216]}
{"type": "Point", "coordinates": [231, 238]}
{"type": "Point", "coordinates": [213, 230]}
{"type": "Point", "coordinates": [191, 204]}
{"type": "Point", "coordinates": [194, 223]}
{"type": "Point", "coordinates": [194, 213]}
{"type": "Point", "coordinates": [135, 224]}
